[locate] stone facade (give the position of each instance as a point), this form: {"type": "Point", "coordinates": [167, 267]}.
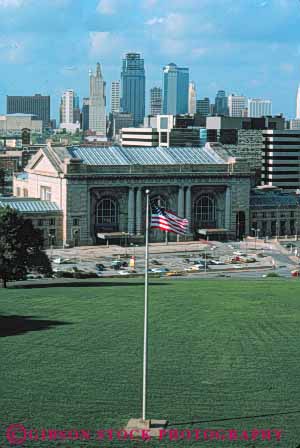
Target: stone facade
{"type": "Point", "coordinates": [109, 199]}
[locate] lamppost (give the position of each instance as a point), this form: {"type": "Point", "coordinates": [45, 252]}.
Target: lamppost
{"type": "Point", "coordinates": [51, 238]}
{"type": "Point", "coordinates": [256, 232]}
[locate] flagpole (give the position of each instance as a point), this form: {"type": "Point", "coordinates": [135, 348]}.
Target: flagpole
{"type": "Point", "coordinates": [146, 310]}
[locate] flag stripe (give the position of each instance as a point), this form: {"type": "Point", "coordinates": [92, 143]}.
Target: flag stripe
{"type": "Point", "coordinates": [168, 221]}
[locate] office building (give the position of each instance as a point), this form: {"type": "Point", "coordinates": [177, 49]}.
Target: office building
{"type": "Point", "coordinates": [203, 107]}
{"type": "Point", "coordinates": [258, 107]}
{"type": "Point", "coordinates": [294, 124]}
{"type": "Point", "coordinates": [15, 124]}
{"type": "Point", "coordinates": [139, 137]}
{"type": "Point", "coordinates": [119, 120]}
{"type": "Point", "coordinates": [298, 103]}
{"type": "Point", "coordinates": [115, 97]}
{"type": "Point", "coordinates": [192, 98]}
{"type": "Point", "coordinates": [97, 103]}
{"type": "Point", "coordinates": [237, 105]}
{"type": "Point", "coordinates": [67, 107]}
{"type": "Point", "coordinates": [85, 114]}
{"type": "Point", "coordinates": [243, 137]}
{"type": "Point", "coordinates": [221, 103]}
{"type": "Point", "coordinates": [155, 101]}
{"type": "Point", "coordinates": [281, 156]}
{"type": "Point", "coordinates": [133, 87]}
{"type": "Point", "coordinates": [175, 90]}
{"type": "Point", "coordinates": [37, 105]}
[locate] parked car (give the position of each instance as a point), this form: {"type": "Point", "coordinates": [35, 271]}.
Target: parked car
{"type": "Point", "coordinates": [296, 273]}
{"type": "Point", "coordinates": [216, 262]}
{"type": "Point", "coordinates": [161, 270]}
{"type": "Point", "coordinates": [100, 267]}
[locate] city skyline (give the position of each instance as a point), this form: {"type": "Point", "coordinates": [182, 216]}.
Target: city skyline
{"type": "Point", "coordinates": [237, 48]}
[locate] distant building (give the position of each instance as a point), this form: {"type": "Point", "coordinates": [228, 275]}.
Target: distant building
{"type": "Point", "coordinates": [258, 107]}
{"type": "Point", "coordinates": [298, 103]}
{"type": "Point", "coordinates": [237, 104]}
{"type": "Point", "coordinates": [163, 131]}
{"type": "Point", "coordinates": [243, 137]}
{"type": "Point", "coordinates": [274, 212]}
{"type": "Point", "coordinates": [15, 123]}
{"type": "Point", "coordinates": [203, 107]}
{"type": "Point", "coordinates": [133, 87]}
{"type": "Point", "coordinates": [37, 105]}
{"type": "Point", "coordinates": [294, 124]}
{"type": "Point", "coordinates": [176, 90]}
{"type": "Point", "coordinates": [120, 120]}
{"type": "Point", "coordinates": [97, 115]}
{"type": "Point", "coordinates": [192, 98]}
{"type": "Point", "coordinates": [85, 114]}
{"type": "Point", "coordinates": [281, 153]}
{"type": "Point", "coordinates": [45, 215]}
{"type": "Point", "coordinates": [156, 101]}
{"type": "Point", "coordinates": [115, 97]}
{"type": "Point", "coordinates": [69, 108]}
{"type": "Point", "coordinates": [221, 103]}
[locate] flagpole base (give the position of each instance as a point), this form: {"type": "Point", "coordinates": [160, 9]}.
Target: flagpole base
{"type": "Point", "coordinates": [152, 426]}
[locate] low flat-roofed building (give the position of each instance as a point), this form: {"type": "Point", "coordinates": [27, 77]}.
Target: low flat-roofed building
{"type": "Point", "coordinates": [45, 215]}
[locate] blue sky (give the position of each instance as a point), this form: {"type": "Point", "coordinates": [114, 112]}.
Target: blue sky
{"type": "Point", "coordinates": [250, 47]}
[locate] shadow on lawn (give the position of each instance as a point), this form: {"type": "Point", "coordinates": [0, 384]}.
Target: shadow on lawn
{"type": "Point", "coordinates": [14, 325]}
{"type": "Point", "coordinates": [78, 284]}
{"type": "Point", "coordinates": [193, 422]}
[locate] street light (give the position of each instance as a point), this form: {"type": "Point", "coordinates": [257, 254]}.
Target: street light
{"type": "Point", "coordinates": [256, 232]}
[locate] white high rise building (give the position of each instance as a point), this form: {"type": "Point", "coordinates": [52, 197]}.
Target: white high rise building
{"type": "Point", "coordinates": [67, 107]}
{"type": "Point", "coordinates": [156, 101]}
{"type": "Point", "coordinates": [115, 96]}
{"type": "Point", "coordinates": [192, 97]}
{"type": "Point", "coordinates": [237, 105]}
{"type": "Point", "coordinates": [97, 115]}
{"type": "Point", "coordinates": [258, 107]}
{"type": "Point", "coordinates": [298, 103]}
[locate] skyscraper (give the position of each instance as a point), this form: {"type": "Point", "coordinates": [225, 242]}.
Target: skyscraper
{"type": "Point", "coordinates": [298, 103]}
{"type": "Point", "coordinates": [133, 87]}
{"type": "Point", "coordinates": [69, 106]}
{"type": "Point", "coordinates": [36, 105]}
{"type": "Point", "coordinates": [115, 97]}
{"type": "Point", "coordinates": [237, 105]}
{"type": "Point", "coordinates": [97, 116]}
{"type": "Point", "coordinates": [176, 89]}
{"type": "Point", "coordinates": [258, 107]}
{"type": "Point", "coordinates": [192, 97]}
{"type": "Point", "coordinates": [155, 101]}
{"type": "Point", "coordinates": [203, 107]}
{"type": "Point", "coordinates": [221, 103]}
{"type": "Point", "coordinates": [85, 114]}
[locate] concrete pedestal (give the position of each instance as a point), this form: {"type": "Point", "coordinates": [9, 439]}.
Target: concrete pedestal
{"type": "Point", "coordinates": [152, 426]}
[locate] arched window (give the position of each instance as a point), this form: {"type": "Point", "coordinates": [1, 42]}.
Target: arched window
{"type": "Point", "coordinates": [106, 212]}
{"type": "Point", "coordinates": [159, 201]}
{"type": "Point", "coordinates": [205, 210]}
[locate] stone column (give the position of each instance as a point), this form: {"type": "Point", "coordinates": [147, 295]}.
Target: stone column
{"type": "Point", "coordinates": [181, 201]}
{"type": "Point", "coordinates": [228, 208]}
{"type": "Point", "coordinates": [138, 211]}
{"type": "Point", "coordinates": [188, 206]}
{"type": "Point", "coordinates": [131, 217]}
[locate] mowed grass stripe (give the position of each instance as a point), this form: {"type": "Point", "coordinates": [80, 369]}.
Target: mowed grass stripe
{"type": "Point", "coordinates": [218, 349]}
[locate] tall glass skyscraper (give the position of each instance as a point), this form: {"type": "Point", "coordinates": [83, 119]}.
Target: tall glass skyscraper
{"type": "Point", "coordinates": [176, 89]}
{"type": "Point", "coordinates": [221, 103]}
{"type": "Point", "coordinates": [133, 87]}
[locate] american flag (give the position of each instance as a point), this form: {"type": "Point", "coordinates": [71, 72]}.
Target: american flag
{"type": "Point", "coordinates": [167, 220]}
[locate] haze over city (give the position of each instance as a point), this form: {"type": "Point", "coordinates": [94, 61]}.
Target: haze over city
{"type": "Point", "coordinates": [249, 47]}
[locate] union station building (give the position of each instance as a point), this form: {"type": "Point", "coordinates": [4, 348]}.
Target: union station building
{"type": "Point", "coordinates": [100, 191]}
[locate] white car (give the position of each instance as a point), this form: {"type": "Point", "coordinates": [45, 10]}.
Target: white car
{"type": "Point", "coordinates": [123, 273]}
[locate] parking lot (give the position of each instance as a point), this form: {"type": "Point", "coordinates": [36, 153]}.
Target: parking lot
{"type": "Point", "coordinates": [251, 258]}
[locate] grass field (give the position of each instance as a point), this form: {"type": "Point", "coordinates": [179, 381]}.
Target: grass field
{"type": "Point", "coordinates": [222, 354]}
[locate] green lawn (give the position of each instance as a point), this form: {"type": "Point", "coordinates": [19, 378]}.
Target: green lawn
{"type": "Point", "coordinates": [218, 350]}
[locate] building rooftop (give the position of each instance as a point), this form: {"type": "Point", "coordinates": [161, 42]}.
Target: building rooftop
{"type": "Point", "coordinates": [115, 155]}
{"type": "Point", "coordinates": [274, 199]}
{"type": "Point", "coordinates": [28, 205]}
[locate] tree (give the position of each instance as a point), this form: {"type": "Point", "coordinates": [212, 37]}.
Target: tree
{"type": "Point", "coordinates": [21, 247]}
